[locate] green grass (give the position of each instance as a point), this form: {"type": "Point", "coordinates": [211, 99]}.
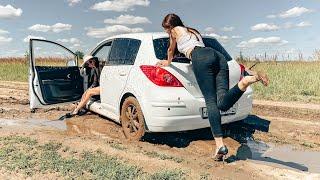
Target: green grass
{"type": "Point", "coordinates": [13, 71]}
{"type": "Point", "coordinates": [161, 156]}
{"type": "Point", "coordinates": [175, 174]}
{"type": "Point", "coordinates": [27, 156]}
{"type": "Point", "coordinates": [289, 81]}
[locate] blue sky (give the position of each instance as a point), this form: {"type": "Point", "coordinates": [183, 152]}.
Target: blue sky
{"type": "Point", "coordinates": [274, 26]}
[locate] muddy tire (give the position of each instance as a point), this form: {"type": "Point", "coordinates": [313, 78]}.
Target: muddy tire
{"type": "Point", "coordinates": [132, 119]}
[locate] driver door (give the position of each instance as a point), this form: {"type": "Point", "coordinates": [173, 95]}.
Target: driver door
{"type": "Point", "coordinates": [54, 75]}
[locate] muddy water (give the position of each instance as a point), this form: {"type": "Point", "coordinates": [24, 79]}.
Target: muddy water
{"type": "Point", "coordinates": [97, 127]}
{"type": "Point", "coordinates": [283, 156]}
{"type": "Point", "coordinates": [29, 123]}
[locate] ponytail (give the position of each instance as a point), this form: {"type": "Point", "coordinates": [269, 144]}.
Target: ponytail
{"type": "Point", "coordinates": [192, 30]}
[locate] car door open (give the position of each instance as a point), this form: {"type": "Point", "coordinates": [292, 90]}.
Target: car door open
{"type": "Point", "coordinates": [54, 74]}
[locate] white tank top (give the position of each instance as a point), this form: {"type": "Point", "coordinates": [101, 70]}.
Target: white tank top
{"type": "Point", "coordinates": [188, 41]}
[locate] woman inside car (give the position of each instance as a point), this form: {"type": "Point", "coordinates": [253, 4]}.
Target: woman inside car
{"type": "Point", "coordinates": [90, 64]}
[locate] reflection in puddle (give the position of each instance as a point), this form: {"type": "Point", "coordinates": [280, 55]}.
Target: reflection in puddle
{"type": "Point", "coordinates": [281, 156]}
{"type": "Point", "coordinates": [284, 156]}
{"type": "Point", "coordinates": [33, 123]}
{"type": "Point", "coordinates": [7, 122]}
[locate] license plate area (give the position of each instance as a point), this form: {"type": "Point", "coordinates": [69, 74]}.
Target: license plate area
{"type": "Point", "coordinates": [231, 111]}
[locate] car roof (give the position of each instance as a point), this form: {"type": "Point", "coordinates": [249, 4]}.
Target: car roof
{"type": "Point", "coordinates": [143, 35]}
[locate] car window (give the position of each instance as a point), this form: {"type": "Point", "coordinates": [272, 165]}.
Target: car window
{"type": "Point", "coordinates": [161, 46]}
{"type": "Point", "coordinates": [47, 53]}
{"type": "Point", "coordinates": [103, 52]}
{"type": "Point", "coordinates": [124, 51]}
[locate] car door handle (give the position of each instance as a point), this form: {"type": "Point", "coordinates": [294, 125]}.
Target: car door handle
{"type": "Point", "coordinates": [122, 74]}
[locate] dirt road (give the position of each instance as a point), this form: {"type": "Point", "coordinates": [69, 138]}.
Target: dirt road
{"type": "Point", "coordinates": [288, 124]}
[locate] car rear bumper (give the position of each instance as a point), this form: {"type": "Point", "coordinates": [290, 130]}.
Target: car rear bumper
{"type": "Point", "coordinates": [183, 112]}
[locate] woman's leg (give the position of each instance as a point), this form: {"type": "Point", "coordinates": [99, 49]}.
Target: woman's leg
{"type": "Point", "coordinates": [85, 98]}
{"type": "Point", "coordinates": [226, 97]}
{"type": "Point", "coordinates": [204, 65]}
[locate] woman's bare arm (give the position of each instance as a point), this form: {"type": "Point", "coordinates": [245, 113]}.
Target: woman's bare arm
{"type": "Point", "coordinates": [172, 47]}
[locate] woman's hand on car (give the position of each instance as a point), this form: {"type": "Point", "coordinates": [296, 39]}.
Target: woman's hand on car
{"type": "Point", "coordinates": [163, 63]}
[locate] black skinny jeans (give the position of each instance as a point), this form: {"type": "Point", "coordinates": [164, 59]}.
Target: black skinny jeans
{"type": "Point", "coordinates": [212, 73]}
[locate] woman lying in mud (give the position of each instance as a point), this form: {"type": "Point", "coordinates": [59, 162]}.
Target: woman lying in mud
{"type": "Point", "coordinates": [211, 71]}
{"type": "Point", "coordinates": [92, 63]}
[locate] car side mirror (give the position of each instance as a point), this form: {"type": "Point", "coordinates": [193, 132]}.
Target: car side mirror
{"type": "Point", "coordinates": [71, 63]}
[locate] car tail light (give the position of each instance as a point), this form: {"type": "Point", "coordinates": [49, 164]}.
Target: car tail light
{"type": "Point", "coordinates": [242, 71]}
{"type": "Point", "coordinates": [160, 76]}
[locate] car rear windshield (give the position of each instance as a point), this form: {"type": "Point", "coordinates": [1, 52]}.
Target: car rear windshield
{"type": "Point", "coordinates": [161, 46]}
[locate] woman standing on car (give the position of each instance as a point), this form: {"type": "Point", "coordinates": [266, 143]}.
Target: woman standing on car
{"type": "Point", "coordinates": [211, 71]}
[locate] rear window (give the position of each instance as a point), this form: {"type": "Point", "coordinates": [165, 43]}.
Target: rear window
{"type": "Point", "coordinates": [161, 46]}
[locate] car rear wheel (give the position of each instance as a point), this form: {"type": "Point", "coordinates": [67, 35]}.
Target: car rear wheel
{"type": "Point", "coordinates": [132, 119]}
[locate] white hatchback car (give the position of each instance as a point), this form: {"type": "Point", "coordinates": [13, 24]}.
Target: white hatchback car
{"type": "Point", "coordinates": [134, 92]}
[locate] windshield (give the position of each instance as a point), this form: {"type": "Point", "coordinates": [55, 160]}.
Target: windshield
{"type": "Point", "coordinates": [161, 46]}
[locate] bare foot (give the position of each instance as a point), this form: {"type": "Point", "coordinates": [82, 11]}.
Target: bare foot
{"type": "Point", "coordinates": [75, 112]}
{"type": "Point", "coordinates": [255, 77]}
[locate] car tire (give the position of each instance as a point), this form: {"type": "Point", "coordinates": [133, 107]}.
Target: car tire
{"type": "Point", "coordinates": [132, 119]}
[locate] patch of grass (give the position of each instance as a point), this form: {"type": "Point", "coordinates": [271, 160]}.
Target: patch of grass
{"type": "Point", "coordinates": [25, 155]}
{"type": "Point", "coordinates": [308, 144]}
{"type": "Point", "coordinates": [14, 69]}
{"type": "Point", "coordinates": [175, 174]}
{"type": "Point", "coordinates": [161, 156]}
{"type": "Point", "coordinates": [205, 176]}
{"type": "Point", "coordinates": [118, 146]}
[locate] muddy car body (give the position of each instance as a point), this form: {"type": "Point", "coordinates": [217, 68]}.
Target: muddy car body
{"type": "Point", "coordinates": [134, 92]}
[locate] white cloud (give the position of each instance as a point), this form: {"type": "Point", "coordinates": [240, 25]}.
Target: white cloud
{"type": "Point", "coordinates": [71, 40]}
{"type": "Point", "coordinates": [4, 40]}
{"type": "Point", "coordinates": [8, 12]}
{"type": "Point", "coordinates": [40, 27]}
{"type": "Point", "coordinates": [295, 12]}
{"type": "Point", "coordinates": [119, 5]}
{"type": "Point", "coordinates": [111, 30]}
{"type": "Point", "coordinates": [223, 39]}
{"type": "Point", "coordinates": [227, 29]}
{"type": "Point", "coordinates": [236, 37]}
{"type": "Point", "coordinates": [262, 41]}
{"type": "Point", "coordinates": [304, 24]}
{"type": "Point", "coordinates": [73, 2]}
{"type": "Point", "coordinates": [26, 39]}
{"type": "Point", "coordinates": [209, 29]}
{"type": "Point", "coordinates": [61, 27]}
{"type": "Point", "coordinates": [271, 16]}
{"type": "Point", "coordinates": [128, 19]}
{"type": "Point", "coordinates": [290, 25]}
{"type": "Point", "coordinates": [58, 27]}
{"type": "Point", "coordinates": [3, 31]}
{"type": "Point", "coordinates": [264, 27]}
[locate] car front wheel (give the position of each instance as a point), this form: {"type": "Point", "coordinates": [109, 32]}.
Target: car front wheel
{"type": "Point", "coordinates": [132, 119]}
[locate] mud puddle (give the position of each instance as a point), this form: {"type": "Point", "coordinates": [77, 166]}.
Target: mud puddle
{"type": "Point", "coordinates": [282, 156]}
{"type": "Point", "coordinates": [31, 123]}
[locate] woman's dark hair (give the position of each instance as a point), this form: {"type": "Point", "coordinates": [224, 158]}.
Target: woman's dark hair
{"type": "Point", "coordinates": [96, 62]}
{"type": "Point", "coordinates": [171, 21]}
